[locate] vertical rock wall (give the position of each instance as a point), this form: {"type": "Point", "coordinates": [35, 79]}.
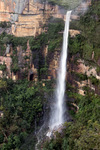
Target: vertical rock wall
{"type": "Point", "coordinates": [27, 16]}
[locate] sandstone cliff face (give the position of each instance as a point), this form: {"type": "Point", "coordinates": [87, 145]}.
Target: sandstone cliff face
{"type": "Point", "coordinates": [29, 69]}
{"type": "Point", "coordinates": [11, 9]}
{"type": "Point", "coordinates": [24, 62]}
{"type": "Point", "coordinates": [90, 77]}
{"type": "Point", "coordinates": [29, 20]}
{"type": "Point", "coordinates": [88, 70]}
{"type": "Point", "coordinates": [28, 17]}
{"type": "Point", "coordinates": [73, 33]}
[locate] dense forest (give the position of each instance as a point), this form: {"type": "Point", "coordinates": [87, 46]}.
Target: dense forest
{"type": "Point", "coordinates": [24, 103]}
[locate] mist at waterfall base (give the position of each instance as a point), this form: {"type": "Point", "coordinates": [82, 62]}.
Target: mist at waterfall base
{"type": "Point", "coordinates": [58, 108]}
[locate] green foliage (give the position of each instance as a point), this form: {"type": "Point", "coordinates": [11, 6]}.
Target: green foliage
{"type": "Point", "coordinates": [15, 68]}
{"type": "Point", "coordinates": [87, 51]}
{"type": "Point", "coordinates": [76, 44]}
{"type": "Point", "coordinates": [3, 66]}
{"type": "Point", "coordinates": [80, 76]}
{"type": "Point", "coordinates": [97, 54]}
{"type": "Point", "coordinates": [6, 40]}
{"type": "Point", "coordinates": [26, 57]}
{"type": "Point", "coordinates": [5, 24]}
{"type": "Point", "coordinates": [67, 4]}
{"type": "Point", "coordinates": [53, 39]}
{"type": "Point", "coordinates": [2, 46]}
{"type": "Point", "coordinates": [98, 69]}
{"type": "Point", "coordinates": [90, 34]}
{"type": "Point", "coordinates": [14, 41]}
{"type": "Point", "coordinates": [23, 108]}
{"type": "Point", "coordinates": [14, 65]}
{"type": "Point", "coordinates": [22, 102]}
{"type": "Point", "coordinates": [83, 133]}
{"type": "Point", "coordinates": [94, 80]}
{"type": "Point", "coordinates": [18, 41]}
{"type": "Point", "coordinates": [3, 84]}
{"type": "Point", "coordinates": [38, 42]}
{"type": "Point", "coordinates": [43, 72]}
{"type": "Point", "coordinates": [59, 2]}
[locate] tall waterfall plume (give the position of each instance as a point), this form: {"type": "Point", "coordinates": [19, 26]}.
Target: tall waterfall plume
{"type": "Point", "coordinates": [58, 109]}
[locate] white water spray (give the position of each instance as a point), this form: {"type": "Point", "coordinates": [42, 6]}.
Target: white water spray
{"type": "Point", "coordinates": [57, 112]}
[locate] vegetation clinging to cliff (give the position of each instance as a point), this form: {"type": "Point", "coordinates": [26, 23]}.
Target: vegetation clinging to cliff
{"type": "Point", "coordinates": [22, 108]}
{"type": "Point", "coordinates": [5, 24]}
{"type": "Point", "coordinates": [22, 101]}
{"type": "Point", "coordinates": [88, 41]}
{"type": "Point", "coordinates": [80, 133]}
{"type": "Point", "coordinates": [67, 4]}
{"type": "Point", "coordinates": [53, 39]}
{"type": "Point", "coordinates": [83, 132]}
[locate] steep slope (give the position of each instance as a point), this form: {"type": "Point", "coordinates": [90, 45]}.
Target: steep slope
{"type": "Point", "coordinates": [83, 131]}
{"type": "Point", "coordinates": [24, 103]}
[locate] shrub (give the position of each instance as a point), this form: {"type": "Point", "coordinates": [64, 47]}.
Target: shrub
{"type": "Point", "coordinates": [5, 24]}
{"type": "Point", "coordinates": [3, 66]}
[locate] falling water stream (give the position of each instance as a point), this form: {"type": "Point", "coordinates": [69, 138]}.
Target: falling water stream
{"type": "Point", "coordinates": [58, 109]}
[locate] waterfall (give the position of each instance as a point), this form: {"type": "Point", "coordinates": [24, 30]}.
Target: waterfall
{"type": "Point", "coordinates": [58, 109]}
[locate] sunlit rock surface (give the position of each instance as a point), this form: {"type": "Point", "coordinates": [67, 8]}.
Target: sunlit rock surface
{"type": "Point", "coordinates": [28, 17]}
